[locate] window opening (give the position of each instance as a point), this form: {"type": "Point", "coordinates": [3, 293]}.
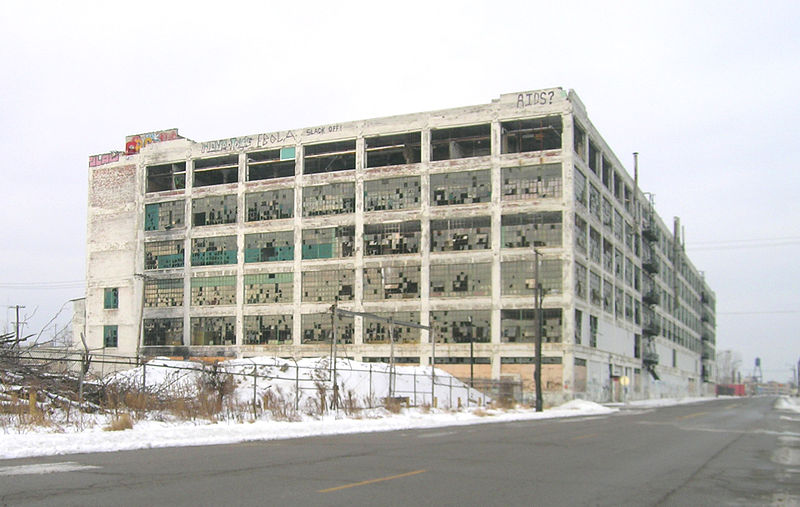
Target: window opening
{"type": "Point", "coordinates": [461, 280]}
{"type": "Point", "coordinates": [392, 238]}
{"type": "Point", "coordinates": [458, 234]}
{"type": "Point", "coordinates": [163, 254]}
{"type": "Point", "coordinates": [330, 199]}
{"type": "Point", "coordinates": [213, 290]}
{"type": "Point", "coordinates": [391, 282]}
{"type": "Point", "coordinates": [216, 171]}
{"type": "Point", "coordinates": [163, 292]}
{"type": "Point", "coordinates": [461, 326]}
{"type": "Point", "coordinates": [329, 157]}
{"type": "Point", "coordinates": [263, 288]}
{"type": "Point", "coordinates": [461, 142]}
{"type": "Point", "coordinates": [163, 332]}
{"type": "Point", "coordinates": [164, 216]}
{"type": "Point", "coordinates": [580, 234]}
{"type": "Point", "coordinates": [316, 328]}
{"type": "Point", "coordinates": [381, 332]}
{"type": "Point", "coordinates": [533, 181]}
{"type": "Point", "coordinates": [214, 251]}
{"type": "Point", "coordinates": [531, 135]}
{"type": "Point", "coordinates": [111, 298]}
{"type": "Point", "coordinates": [398, 149]}
{"type": "Point", "coordinates": [328, 243]}
{"type": "Point", "coordinates": [579, 141]}
{"type": "Point", "coordinates": [269, 205]}
{"type": "Point", "coordinates": [519, 326]}
{"type": "Point", "coordinates": [593, 331]}
{"type": "Point", "coordinates": [518, 280]}
{"type": "Point", "coordinates": [219, 209]}
{"type": "Point", "coordinates": [166, 177]}
{"type": "Point", "coordinates": [392, 193]}
{"type": "Point", "coordinates": [580, 281]}
{"type": "Point", "coordinates": [267, 329]}
{"type": "Point", "coordinates": [328, 286]}
{"type": "Point", "coordinates": [213, 330]}
{"type": "Point", "coordinates": [461, 188]}
{"type": "Point", "coordinates": [270, 164]}
{"type": "Point", "coordinates": [269, 246]}
{"type": "Point", "coordinates": [110, 336]}
{"type": "Point", "coordinates": [580, 187]}
{"type": "Point", "coordinates": [594, 154]}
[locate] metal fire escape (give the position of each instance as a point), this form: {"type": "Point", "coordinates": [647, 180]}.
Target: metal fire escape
{"type": "Point", "coordinates": [651, 296]}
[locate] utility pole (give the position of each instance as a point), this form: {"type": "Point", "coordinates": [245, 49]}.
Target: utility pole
{"type": "Point", "coordinates": [471, 354]}
{"type": "Point", "coordinates": [538, 295]}
{"type": "Point", "coordinates": [335, 401]}
{"type": "Point", "coordinates": [16, 333]}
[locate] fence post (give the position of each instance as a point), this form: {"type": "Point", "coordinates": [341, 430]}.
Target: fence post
{"type": "Point", "coordinates": [451, 392]}
{"type": "Point", "coordinates": [255, 385]}
{"type": "Point", "coordinates": [415, 388]}
{"type": "Point", "coordinates": [296, 387]}
{"type": "Point", "coordinates": [468, 393]}
{"type": "Point", "coordinates": [144, 377]}
{"type": "Point", "coordinates": [370, 385]}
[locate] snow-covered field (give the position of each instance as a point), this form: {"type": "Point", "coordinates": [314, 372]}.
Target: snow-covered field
{"type": "Point", "coordinates": [359, 381]}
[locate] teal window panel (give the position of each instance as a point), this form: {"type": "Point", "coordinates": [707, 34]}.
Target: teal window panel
{"type": "Point", "coordinates": [151, 217]}
{"type": "Point", "coordinates": [170, 261]}
{"type": "Point", "coordinates": [288, 153]}
{"type": "Point", "coordinates": [111, 298]}
{"type": "Point", "coordinates": [110, 336]}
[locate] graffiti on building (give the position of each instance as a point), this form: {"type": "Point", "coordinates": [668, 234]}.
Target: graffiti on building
{"type": "Point", "coordinates": [231, 144]}
{"type": "Point", "coordinates": [535, 98]}
{"type": "Point", "coordinates": [105, 158]}
{"type": "Point", "coordinates": [322, 130]}
{"type": "Point", "coordinates": [136, 142]}
{"type": "Point", "coordinates": [275, 138]}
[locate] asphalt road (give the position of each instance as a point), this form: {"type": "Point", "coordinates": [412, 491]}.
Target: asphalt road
{"type": "Point", "coordinates": [721, 452]}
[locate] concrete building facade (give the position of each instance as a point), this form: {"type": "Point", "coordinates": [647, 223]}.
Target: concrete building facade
{"type": "Point", "coordinates": [241, 246]}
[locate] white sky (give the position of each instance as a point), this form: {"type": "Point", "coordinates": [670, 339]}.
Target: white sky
{"type": "Point", "coordinates": [705, 91]}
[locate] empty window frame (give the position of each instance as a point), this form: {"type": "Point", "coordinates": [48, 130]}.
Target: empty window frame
{"type": "Point", "coordinates": [593, 331]}
{"type": "Point", "coordinates": [216, 171]}
{"type": "Point", "coordinates": [580, 234]}
{"type": "Point", "coordinates": [460, 234]}
{"type": "Point", "coordinates": [329, 243]}
{"type": "Point", "coordinates": [628, 193]}
{"type": "Point", "coordinates": [595, 245]}
{"type": "Point", "coordinates": [580, 187]}
{"type": "Point", "coordinates": [594, 289]}
{"type": "Point", "coordinates": [269, 205]}
{"type": "Point", "coordinates": [532, 229]}
{"type": "Point", "coordinates": [213, 290]}
{"type": "Point", "coordinates": [519, 326]}
{"type": "Point", "coordinates": [608, 296]}
{"type": "Point", "coordinates": [618, 264]}
{"type": "Point", "coordinates": [111, 298]}
{"type": "Point", "coordinates": [376, 331]}
{"type": "Point", "coordinates": [213, 330]}
{"type": "Point", "coordinates": [468, 187]}
{"type": "Point", "coordinates": [532, 182]}
{"type": "Point", "coordinates": [330, 199]}
{"type": "Point", "coordinates": [578, 328]}
{"type": "Point", "coordinates": [618, 225]}
{"type": "Point", "coordinates": [580, 281]}
{"type": "Point", "coordinates": [397, 149]}
{"type": "Point", "coordinates": [608, 214]}
{"type": "Point", "coordinates": [163, 292]}
{"type": "Point", "coordinates": [267, 329]}
{"type": "Point", "coordinates": [391, 282]}
{"type": "Point", "coordinates": [215, 210]}
{"type": "Point", "coordinates": [463, 360]}
{"type": "Point", "coordinates": [628, 307]}
{"type": "Point", "coordinates": [461, 142]}
{"type": "Point", "coordinates": [269, 246]}
{"type": "Point", "coordinates": [166, 177]}
{"type": "Point", "coordinates": [164, 216]}
{"type": "Point", "coordinates": [461, 280]}
{"type": "Point", "coordinates": [608, 256]}
{"type": "Point", "coordinates": [518, 278]}
{"type": "Point", "coordinates": [328, 286]}
{"type": "Point", "coordinates": [629, 235]}
{"type": "Point", "coordinates": [270, 164]}
{"type": "Point", "coordinates": [536, 134]}
{"type": "Point", "coordinates": [594, 155]}
{"type": "Point", "coordinates": [163, 254]}
{"type": "Point", "coordinates": [392, 238]}
{"type": "Point", "coordinates": [263, 288]}
{"type": "Point", "coordinates": [617, 186]}
{"type": "Point", "coordinates": [607, 172]}
{"type": "Point", "coordinates": [594, 201]}
{"type": "Point", "coordinates": [329, 157]}
{"type": "Point", "coordinates": [392, 194]}
{"type": "Point", "coordinates": [318, 328]}
{"type": "Point", "coordinates": [397, 360]}
{"type": "Point", "coordinates": [461, 326]}
{"type": "Point", "coordinates": [579, 141]}
{"type": "Point", "coordinates": [618, 302]}
{"type": "Point", "coordinates": [163, 332]}
{"type": "Point", "coordinates": [214, 251]}
{"type": "Point", "coordinates": [110, 336]}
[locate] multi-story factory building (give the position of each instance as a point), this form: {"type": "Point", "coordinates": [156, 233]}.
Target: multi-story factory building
{"type": "Point", "coordinates": [241, 246]}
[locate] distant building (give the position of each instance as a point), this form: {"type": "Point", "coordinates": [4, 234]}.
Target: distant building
{"type": "Point", "coordinates": [240, 247]}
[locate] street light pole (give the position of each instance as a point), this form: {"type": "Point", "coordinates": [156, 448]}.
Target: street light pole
{"type": "Point", "coordinates": [471, 354]}
{"type": "Point", "coordinates": [538, 295]}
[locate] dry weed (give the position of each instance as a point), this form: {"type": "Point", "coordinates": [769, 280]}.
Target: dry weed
{"type": "Point", "coordinates": [119, 423]}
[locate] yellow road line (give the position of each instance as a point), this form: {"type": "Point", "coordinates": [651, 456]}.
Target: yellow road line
{"type": "Point", "coordinates": [689, 416]}
{"type": "Point", "coordinates": [590, 435]}
{"type": "Point", "coordinates": [372, 481]}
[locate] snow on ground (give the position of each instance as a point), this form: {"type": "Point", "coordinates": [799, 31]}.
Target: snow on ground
{"type": "Point", "coordinates": [659, 402]}
{"type": "Point", "coordinates": [788, 404]}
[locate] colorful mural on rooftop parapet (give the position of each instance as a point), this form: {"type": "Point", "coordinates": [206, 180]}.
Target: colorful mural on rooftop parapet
{"type": "Point", "coordinates": [136, 142]}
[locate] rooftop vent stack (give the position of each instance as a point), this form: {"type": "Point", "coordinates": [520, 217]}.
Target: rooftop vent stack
{"type": "Point", "coordinates": [636, 168]}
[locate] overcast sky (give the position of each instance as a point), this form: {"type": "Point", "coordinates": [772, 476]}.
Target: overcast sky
{"type": "Point", "coordinates": [706, 92]}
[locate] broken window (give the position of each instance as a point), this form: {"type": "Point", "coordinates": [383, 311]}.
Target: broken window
{"type": "Point", "coordinates": [580, 187]}
{"type": "Point", "coordinates": [110, 336]}
{"type": "Point", "coordinates": [628, 307]}
{"type": "Point", "coordinates": [608, 296]}
{"type": "Point", "coordinates": [111, 298]}
{"type": "Point", "coordinates": [328, 243]}
{"type": "Point", "coordinates": [329, 157]}
{"type": "Point", "coordinates": [214, 251]}
{"type": "Point", "coordinates": [595, 245]}
{"type": "Point", "coordinates": [607, 171]}
{"type": "Point", "coordinates": [267, 329]}
{"type": "Point", "coordinates": [461, 326]}
{"type": "Point", "coordinates": [592, 331]}
{"type": "Point", "coordinates": [270, 164]}
{"type": "Point", "coordinates": [269, 246]}
{"type": "Point", "coordinates": [213, 290]}
{"type": "Point", "coordinates": [166, 177]}
{"type": "Point", "coordinates": [164, 216]}
{"type": "Point", "coordinates": [594, 155]}
{"type": "Point", "coordinates": [457, 234]}
{"type": "Point", "coordinates": [163, 332]}
{"type": "Point", "coordinates": [461, 142]}
{"type": "Point", "coordinates": [517, 277]}
{"type": "Point", "coordinates": [163, 292]}
{"type": "Point", "coordinates": [398, 149]}
{"type": "Point", "coordinates": [269, 205]}
{"type": "Point", "coordinates": [537, 134]}
{"type": "Point", "coordinates": [265, 288]}
{"type": "Point", "coordinates": [628, 271]}
{"type": "Point", "coordinates": [213, 330]}
{"type": "Point", "coordinates": [163, 254]}
{"type": "Point", "coordinates": [608, 256]}
{"type": "Point", "coordinates": [519, 326]}
{"type": "Point", "coordinates": [608, 214]}
{"type": "Point", "coordinates": [594, 289]}
{"type": "Point", "coordinates": [580, 234]}
{"type": "Point", "coordinates": [579, 141]}
{"type": "Point", "coordinates": [392, 238]}
{"type": "Point", "coordinates": [318, 328]}
{"type": "Point", "coordinates": [461, 188]}
{"type": "Point", "coordinates": [391, 282]}
{"type": "Point", "coordinates": [328, 286]}
{"type": "Point", "coordinates": [461, 280]}
{"type": "Point", "coordinates": [594, 201]}
{"type": "Point", "coordinates": [578, 327]}
{"type": "Point", "coordinates": [580, 281]}
{"type": "Point", "coordinates": [532, 181]}
{"type": "Point", "coordinates": [618, 264]}
{"type": "Point", "coordinates": [392, 193]}
{"type": "Point", "coordinates": [219, 209]}
{"type": "Point", "coordinates": [618, 225]}
{"type": "Point", "coordinates": [330, 199]}
{"type": "Point", "coordinates": [618, 303]}
{"type": "Point", "coordinates": [532, 229]}
{"type": "Point", "coordinates": [629, 235]}
{"type": "Point", "coordinates": [216, 171]}
{"type": "Point", "coordinates": [617, 186]}
{"type": "Point", "coordinates": [628, 198]}
{"type": "Point", "coordinates": [377, 331]}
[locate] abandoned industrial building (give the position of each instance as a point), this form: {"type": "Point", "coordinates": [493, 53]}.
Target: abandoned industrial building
{"type": "Point", "coordinates": [241, 247]}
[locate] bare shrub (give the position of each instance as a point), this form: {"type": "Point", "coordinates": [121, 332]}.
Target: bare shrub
{"type": "Point", "coordinates": [393, 405]}
{"type": "Point", "coordinates": [119, 423]}
{"type": "Point", "coordinates": [280, 407]}
{"type": "Point", "coordinates": [350, 403]}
